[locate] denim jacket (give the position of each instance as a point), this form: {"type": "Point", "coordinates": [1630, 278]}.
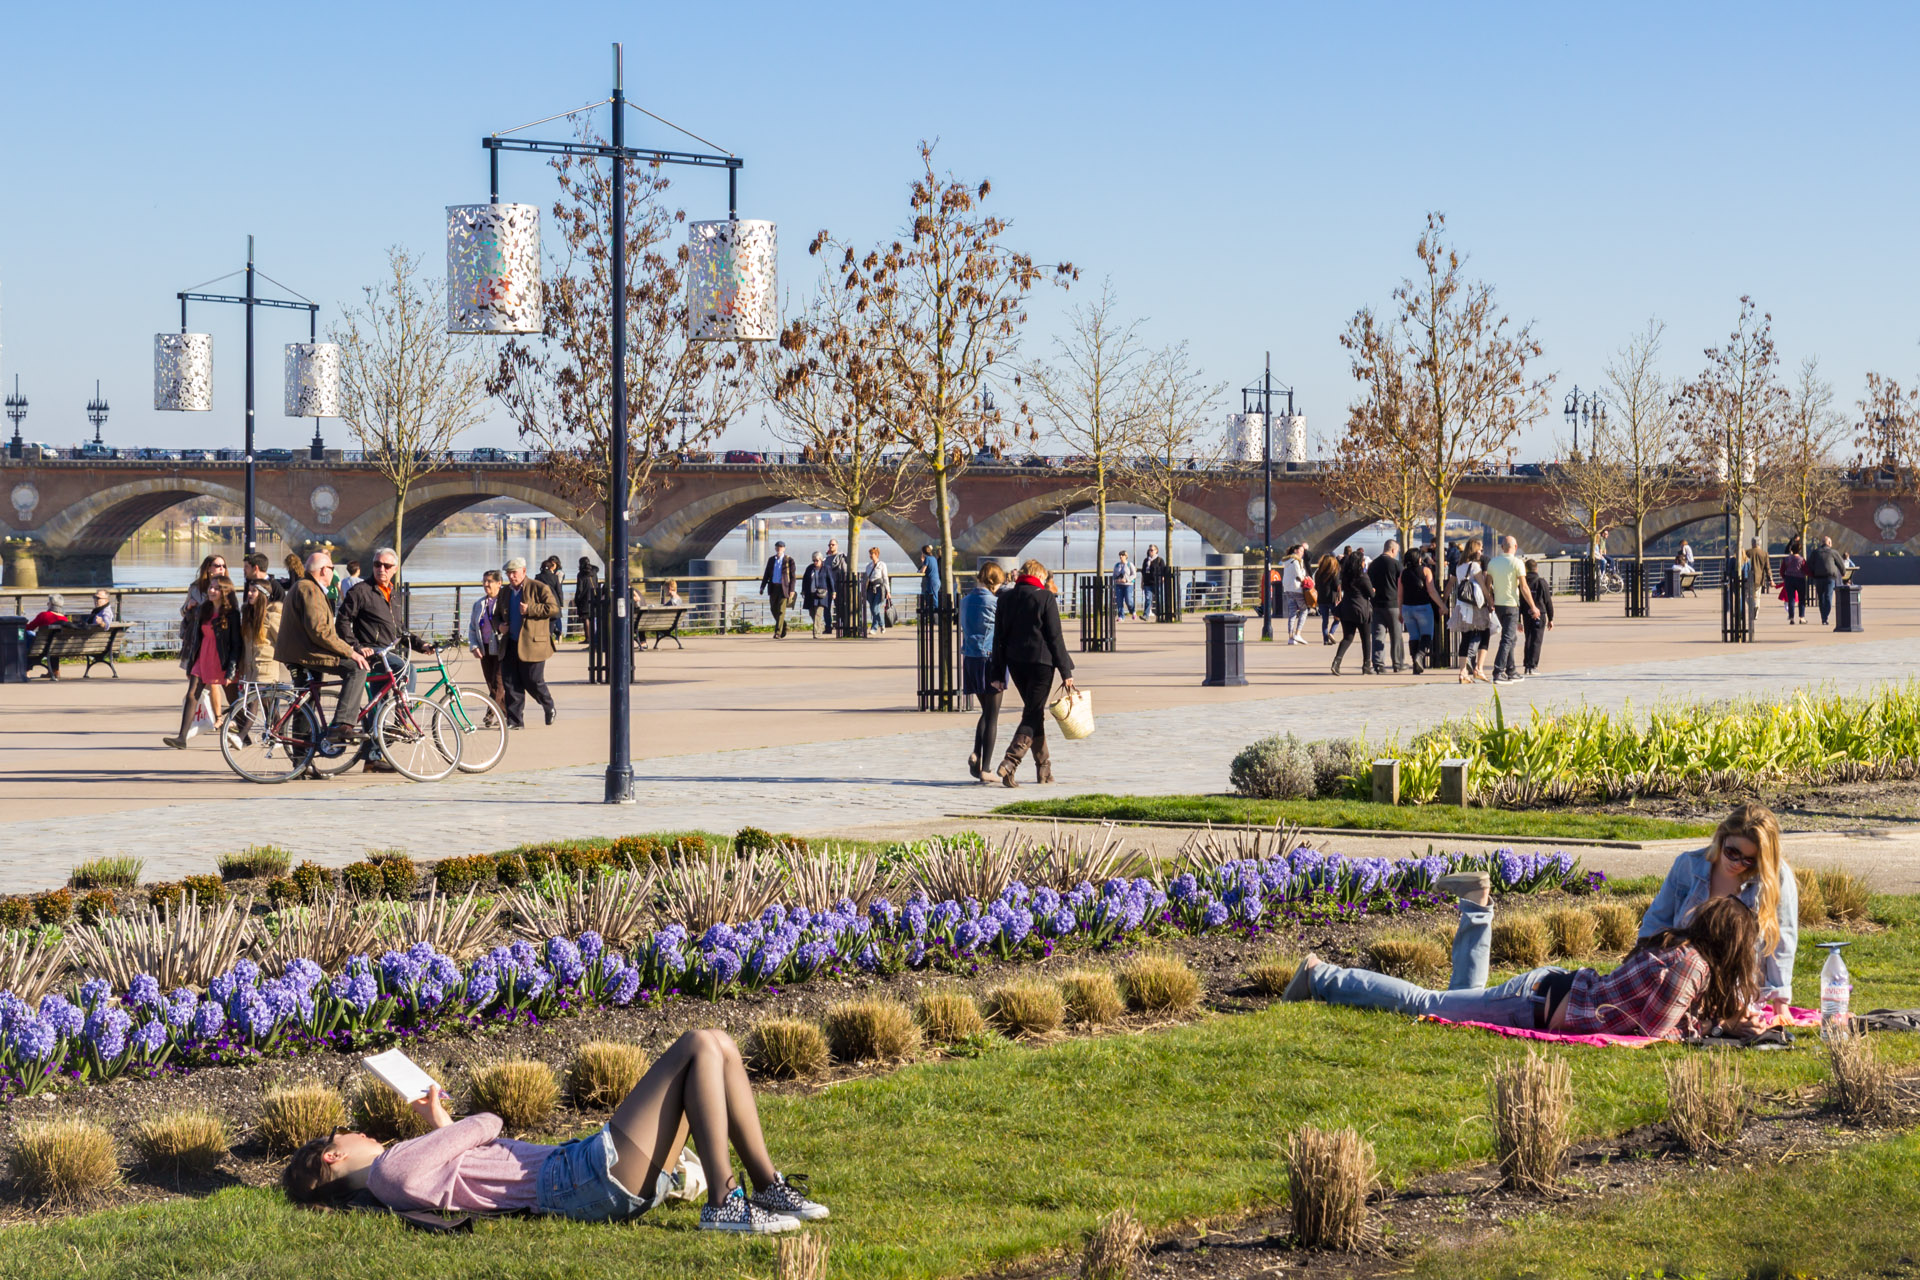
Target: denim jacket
{"type": "Point", "coordinates": [977, 608]}
{"type": "Point", "coordinates": [1687, 888]}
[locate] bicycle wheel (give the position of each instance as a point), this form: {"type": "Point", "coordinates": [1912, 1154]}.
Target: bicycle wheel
{"type": "Point", "coordinates": [419, 738]}
{"type": "Point", "coordinates": [483, 728]}
{"type": "Point", "coordinates": [268, 734]}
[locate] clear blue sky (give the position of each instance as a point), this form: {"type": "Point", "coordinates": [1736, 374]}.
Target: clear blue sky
{"type": "Point", "coordinates": [1248, 175]}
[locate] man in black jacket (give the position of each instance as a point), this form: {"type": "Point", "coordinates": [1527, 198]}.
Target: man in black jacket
{"type": "Point", "coordinates": [1826, 568]}
{"type": "Point", "coordinates": [837, 574]}
{"type": "Point", "coordinates": [369, 622]}
{"type": "Point", "coordinates": [1384, 574]}
{"type": "Point", "coordinates": [777, 583]}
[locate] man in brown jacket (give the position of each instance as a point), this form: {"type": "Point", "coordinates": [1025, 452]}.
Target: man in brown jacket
{"type": "Point", "coordinates": [307, 639]}
{"type": "Point", "coordinates": [528, 605]}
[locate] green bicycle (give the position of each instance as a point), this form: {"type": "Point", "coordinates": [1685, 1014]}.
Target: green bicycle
{"type": "Point", "coordinates": [482, 726]}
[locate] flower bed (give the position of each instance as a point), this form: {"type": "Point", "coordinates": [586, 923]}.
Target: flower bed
{"type": "Point", "coordinates": [98, 1034]}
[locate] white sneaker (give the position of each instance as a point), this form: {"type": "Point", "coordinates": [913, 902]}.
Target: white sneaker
{"type": "Point", "coordinates": [737, 1213]}
{"type": "Point", "coordinates": [783, 1197]}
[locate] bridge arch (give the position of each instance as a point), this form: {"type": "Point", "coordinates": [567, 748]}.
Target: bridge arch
{"type": "Point", "coordinates": [691, 531]}
{"type": "Point", "coordinates": [431, 503]}
{"type": "Point", "coordinates": [1007, 532]}
{"type": "Point", "coordinates": [100, 523]}
{"type": "Point", "coordinates": [1330, 529]}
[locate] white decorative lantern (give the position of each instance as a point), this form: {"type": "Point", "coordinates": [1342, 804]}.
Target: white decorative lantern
{"type": "Point", "coordinates": [731, 281]}
{"type": "Point", "coordinates": [493, 269]}
{"type": "Point", "coordinates": [183, 371]}
{"type": "Point", "coordinates": [1292, 446]}
{"type": "Point", "coordinates": [313, 380]}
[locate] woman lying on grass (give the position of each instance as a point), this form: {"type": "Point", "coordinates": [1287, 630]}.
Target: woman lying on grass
{"type": "Point", "coordinates": [1676, 982]}
{"type": "Point", "coordinates": [466, 1165]}
{"type": "Point", "coordinates": [1741, 861]}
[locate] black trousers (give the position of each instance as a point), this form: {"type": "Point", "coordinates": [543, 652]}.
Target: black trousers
{"type": "Point", "coordinates": [1356, 624]}
{"type": "Point", "coordinates": [1034, 682]}
{"type": "Point", "coordinates": [777, 604]}
{"type": "Point", "coordinates": [517, 680]}
{"type": "Point", "coordinates": [1536, 633]}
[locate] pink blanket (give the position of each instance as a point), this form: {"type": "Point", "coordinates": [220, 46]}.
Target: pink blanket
{"type": "Point", "coordinates": [1796, 1018]}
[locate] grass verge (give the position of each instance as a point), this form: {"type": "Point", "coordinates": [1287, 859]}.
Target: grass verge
{"type": "Point", "coordinates": [1531, 824]}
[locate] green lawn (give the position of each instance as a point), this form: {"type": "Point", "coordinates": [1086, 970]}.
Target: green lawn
{"type": "Point", "coordinates": [954, 1168]}
{"type": "Point", "coordinates": [1531, 824]}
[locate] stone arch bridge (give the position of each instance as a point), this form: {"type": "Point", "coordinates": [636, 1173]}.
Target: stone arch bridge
{"type": "Point", "coordinates": [66, 519]}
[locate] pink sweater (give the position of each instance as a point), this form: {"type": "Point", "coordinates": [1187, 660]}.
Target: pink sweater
{"type": "Point", "coordinates": [466, 1165]}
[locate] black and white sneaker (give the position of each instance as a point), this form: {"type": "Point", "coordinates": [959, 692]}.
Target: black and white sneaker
{"type": "Point", "coordinates": [737, 1213]}
{"type": "Point", "coordinates": [788, 1196]}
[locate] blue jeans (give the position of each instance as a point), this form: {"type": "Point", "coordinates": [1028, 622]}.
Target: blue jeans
{"type": "Point", "coordinates": [1294, 606]}
{"type": "Point", "coordinates": [1123, 598]}
{"type": "Point", "coordinates": [1823, 588]}
{"type": "Point", "coordinates": [1468, 999]}
{"type": "Point", "coordinates": [1417, 619]}
{"type": "Point", "coordinates": [877, 615]}
{"type": "Point", "coordinates": [576, 1181]}
{"type": "Point", "coordinates": [1147, 602]}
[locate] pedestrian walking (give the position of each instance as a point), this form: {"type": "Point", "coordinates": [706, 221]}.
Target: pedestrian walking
{"type": "Point", "coordinates": [929, 574]}
{"type": "Point", "coordinates": [214, 566]}
{"type": "Point", "coordinates": [211, 658]}
{"type": "Point", "coordinates": [295, 571]}
{"type": "Point", "coordinates": [839, 587]}
{"type": "Point", "coordinates": [526, 644]}
{"type": "Point", "coordinates": [1508, 574]}
{"type": "Point", "coordinates": [1123, 576]}
{"type": "Point", "coordinates": [776, 584]}
{"type": "Point", "coordinates": [1389, 640]}
{"type": "Point", "coordinates": [1541, 620]}
{"type": "Point", "coordinates": [1356, 613]}
{"type": "Point", "coordinates": [1028, 647]}
{"type": "Point", "coordinates": [978, 609]}
{"type": "Point", "coordinates": [1326, 587]}
{"type": "Point", "coordinates": [350, 579]}
{"type": "Point", "coordinates": [588, 608]}
{"type": "Point", "coordinates": [486, 629]}
{"type": "Point", "coordinates": [1472, 610]}
{"type": "Point", "coordinates": [876, 588]}
{"type": "Point", "coordinates": [815, 595]}
{"type": "Point", "coordinates": [1756, 576]}
{"type": "Point", "coordinates": [1420, 607]}
{"type": "Point", "coordinates": [1793, 583]}
{"type": "Point", "coordinates": [1294, 579]}
{"type": "Point", "coordinates": [1154, 584]}
{"type": "Point", "coordinates": [549, 575]}
{"type": "Point", "coordinates": [309, 639]}
{"type": "Point", "coordinates": [260, 630]}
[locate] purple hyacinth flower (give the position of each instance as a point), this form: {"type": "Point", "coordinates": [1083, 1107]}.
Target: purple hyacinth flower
{"type": "Point", "coordinates": [208, 1019]}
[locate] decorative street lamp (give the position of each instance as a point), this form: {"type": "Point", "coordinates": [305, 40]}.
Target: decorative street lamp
{"type": "Point", "coordinates": [494, 287]}
{"type": "Point", "coordinates": [97, 411]}
{"type": "Point", "coordinates": [1589, 411]}
{"type": "Point", "coordinates": [1261, 394]}
{"type": "Point", "coordinates": [183, 368]}
{"type": "Point", "coordinates": [17, 413]}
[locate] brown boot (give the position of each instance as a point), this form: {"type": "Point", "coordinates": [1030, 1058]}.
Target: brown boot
{"type": "Point", "coordinates": [1042, 761]}
{"type": "Point", "coordinates": [1016, 752]}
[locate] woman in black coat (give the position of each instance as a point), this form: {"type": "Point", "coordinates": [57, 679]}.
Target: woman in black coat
{"type": "Point", "coordinates": [1028, 646]}
{"type": "Point", "coordinates": [1355, 612]}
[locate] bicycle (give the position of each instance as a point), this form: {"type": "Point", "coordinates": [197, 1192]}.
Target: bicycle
{"type": "Point", "coordinates": [273, 733]}
{"type": "Point", "coordinates": [483, 726]}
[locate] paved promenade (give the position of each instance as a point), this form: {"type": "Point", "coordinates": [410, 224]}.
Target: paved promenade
{"type": "Point", "coordinates": [870, 780]}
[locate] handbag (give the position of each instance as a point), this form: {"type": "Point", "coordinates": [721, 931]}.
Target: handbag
{"type": "Point", "coordinates": [1074, 712]}
{"type": "Point", "coordinates": [1309, 596]}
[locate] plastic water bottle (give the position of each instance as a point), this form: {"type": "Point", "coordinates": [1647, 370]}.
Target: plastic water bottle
{"type": "Point", "coordinates": [1836, 988]}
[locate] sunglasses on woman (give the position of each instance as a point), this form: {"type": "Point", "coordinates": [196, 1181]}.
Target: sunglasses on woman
{"type": "Point", "coordinates": [1738, 859]}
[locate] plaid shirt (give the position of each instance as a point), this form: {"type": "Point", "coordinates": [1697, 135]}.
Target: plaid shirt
{"type": "Point", "coordinates": [1651, 993]}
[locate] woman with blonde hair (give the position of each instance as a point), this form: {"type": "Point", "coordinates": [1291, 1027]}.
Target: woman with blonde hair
{"type": "Point", "coordinates": [1743, 861]}
{"type": "Point", "coordinates": [1028, 648]}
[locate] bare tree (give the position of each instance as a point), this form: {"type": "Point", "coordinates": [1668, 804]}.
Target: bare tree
{"type": "Point", "coordinates": [1091, 400]}
{"type": "Point", "coordinates": [558, 387]}
{"type": "Point", "coordinates": [1174, 409]}
{"type": "Point", "coordinates": [827, 384]}
{"type": "Point", "coordinates": [1373, 474]}
{"type": "Point", "coordinates": [1589, 490]}
{"type": "Point", "coordinates": [1887, 434]}
{"type": "Point", "coordinates": [947, 305]}
{"type": "Point", "coordinates": [408, 387]}
{"type": "Point", "coordinates": [1646, 437]}
{"type": "Point", "coordinates": [1733, 411]}
{"type": "Point", "coordinates": [1804, 478]}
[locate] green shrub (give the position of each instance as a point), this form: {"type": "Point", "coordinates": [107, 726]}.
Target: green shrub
{"type": "Point", "coordinates": [93, 905]}
{"type": "Point", "coordinates": [380, 857]}
{"type": "Point", "coordinates": [509, 869]}
{"type": "Point", "coordinates": [1275, 768]}
{"type": "Point", "coordinates": [119, 871]}
{"type": "Point", "coordinates": [363, 880]}
{"type": "Point", "coordinates": [62, 1160]}
{"type": "Point", "coordinates": [282, 892]}
{"type": "Point", "coordinates": [1026, 1007]}
{"type": "Point", "coordinates": [586, 860]}
{"type": "Point", "coordinates": [165, 894]}
{"type": "Point", "coordinates": [1092, 997]}
{"type": "Point", "coordinates": [522, 1092]}
{"type": "Point", "coordinates": [293, 1115]}
{"type": "Point", "coordinates": [255, 862]}
{"type": "Point", "coordinates": [182, 1142]}
{"type": "Point", "coordinates": [638, 851]}
{"type": "Point", "coordinates": [786, 1048]}
{"type": "Point", "coordinates": [872, 1029]}
{"type": "Point", "coordinates": [690, 847]}
{"type": "Point", "coordinates": [603, 1073]}
{"type": "Point", "coordinates": [54, 907]}
{"type": "Point", "coordinates": [948, 1016]}
{"type": "Point", "coordinates": [457, 875]}
{"type": "Point", "coordinates": [314, 881]}
{"type": "Point", "coordinates": [1521, 942]}
{"type": "Point", "coordinates": [398, 878]}
{"type": "Point", "coordinates": [208, 889]}
{"type": "Point", "coordinates": [1157, 983]}
{"type": "Point", "coordinates": [1334, 760]}
{"type": "Point", "coordinates": [753, 840]}
{"type": "Point", "coordinates": [15, 912]}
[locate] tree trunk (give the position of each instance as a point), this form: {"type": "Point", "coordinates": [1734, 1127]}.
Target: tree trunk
{"type": "Point", "coordinates": [854, 523]}
{"type": "Point", "coordinates": [1100, 512]}
{"type": "Point", "coordinates": [399, 527]}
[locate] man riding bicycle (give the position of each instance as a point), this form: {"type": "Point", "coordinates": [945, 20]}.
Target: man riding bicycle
{"type": "Point", "coordinates": [367, 621]}
{"type": "Point", "coordinates": [307, 639]}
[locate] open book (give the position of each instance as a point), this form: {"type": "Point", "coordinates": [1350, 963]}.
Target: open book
{"type": "Point", "coordinates": [400, 1072]}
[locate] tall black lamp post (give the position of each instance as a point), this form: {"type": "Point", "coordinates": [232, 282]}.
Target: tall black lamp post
{"type": "Point", "coordinates": [1735, 626]}
{"type": "Point", "coordinates": [16, 413]}
{"type": "Point", "coordinates": [1261, 394]}
{"type": "Point", "coordinates": [1589, 411]}
{"type": "Point", "coordinates": [97, 411]}
{"type": "Point", "coordinates": [493, 287]}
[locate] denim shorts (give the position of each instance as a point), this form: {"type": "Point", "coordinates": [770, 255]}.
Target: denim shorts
{"type": "Point", "coordinates": [576, 1181]}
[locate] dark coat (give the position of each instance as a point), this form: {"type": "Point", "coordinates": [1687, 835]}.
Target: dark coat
{"type": "Point", "coordinates": [1384, 574]}
{"type": "Point", "coordinates": [814, 585]}
{"type": "Point", "coordinates": [787, 576]}
{"type": "Point", "coordinates": [1825, 562]}
{"type": "Point", "coordinates": [307, 635]}
{"type": "Point", "coordinates": [367, 619]}
{"type": "Point", "coordinates": [1026, 628]}
{"type": "Point", "coordinates": [1542, 592]}
{"type": "Point", "coordinates": [1356, 594]}
{"type": "Point", "coordinates": [226, 638]}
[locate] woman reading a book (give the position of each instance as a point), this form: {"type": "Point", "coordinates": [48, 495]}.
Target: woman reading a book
{"type": "Point", "coordinates": [699, 1086]}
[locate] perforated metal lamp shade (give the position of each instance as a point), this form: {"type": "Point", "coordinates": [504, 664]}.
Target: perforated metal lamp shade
{"type": "Point", "coordinates": [183, 371]}
{"type": "Point", "coordinates": [313, 380]}
{"type": "Point", "coordinates": [732, 281]}
{"type": "Point", "coordinates": [493, 269]}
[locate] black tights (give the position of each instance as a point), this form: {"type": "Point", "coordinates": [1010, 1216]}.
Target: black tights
{"type": "Point", "coordinates": [1034, 682]}
{"type": "Point", "coordinates": [699, 1084]}
{"type": "Point", "coordinates": [989, 727]}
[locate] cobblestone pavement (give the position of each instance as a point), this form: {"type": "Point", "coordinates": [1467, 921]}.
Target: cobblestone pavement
{"type": "Point", "coordinates": [842, 785]}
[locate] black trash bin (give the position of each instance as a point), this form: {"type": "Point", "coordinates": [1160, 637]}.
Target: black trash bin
{"type": "Point", "coordinates": [1226, 649]}
{"type": "Point", "coordinates": [13, 649]}
{"type": "Point", "coordinates": [1846, 606]}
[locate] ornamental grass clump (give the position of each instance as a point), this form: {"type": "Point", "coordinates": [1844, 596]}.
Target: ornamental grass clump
{"type": "Point", "coordinates": [255, 862]}
{"type": "Point", "coordinates": [786, 1048]}
{"type": "Point", "coordinates": [949, 1017]}
{"type": "Point", "coordinates": [1092, 997]}
{"type": "Point", "coordinates": [1532, 1100]}
{"type": "Point", "coordinates": [293, 1115]}
{"type": "Point", "coordinates": [1813, 900]}
{"type": "Point", "coordinates": [800, 1256]}
{"type": "Point", "coordinates": [872, 1030]}
{"type": "Point", "coordinates": [521, 1091]}
{"type": "Point", "coordinates": [1521, 942]}
{"type": "Point", "coordinates": [1270, 974]}
{"type": "Point", "coordinates": [182, 1142]}
{"type": "Point", "coordinates": [1846, 895]}
{"type": "Point", "coordinates": [62, 1161]}
{"type": "Point", "coordinates": [603, 1073]}
{"type": "Point", "coordinates": [1415, 957]}
{"type": "Point", "coordinates": [1616, 926]}
{"type": "Point", "coordinates": [1574, 932]}
{"type": "Point", "coordinates": [1329, 1177]}
{"type": "Point", "coordinates": [1157, 983]}
{"type": "Point", "coordinates": [1026, 1007]}
{"type": "Point", "coordinates": [1706, 1102]}
{"type": "Point", "coordinates": [1114, 1247]}
{"type": "Point", "coordinates": [1859, 1085]}
{"type": "Point", "coordinates": [380, 1112]}
{"type": "Point", "coordinates": [116, 871]}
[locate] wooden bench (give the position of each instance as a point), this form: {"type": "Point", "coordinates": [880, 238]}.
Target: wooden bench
{"type": "Point", "coordinates": [95, 644]}
{"type": "Point", "coordinates": [662, 622]}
